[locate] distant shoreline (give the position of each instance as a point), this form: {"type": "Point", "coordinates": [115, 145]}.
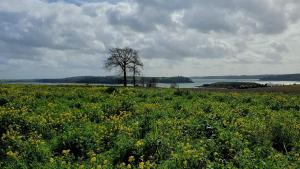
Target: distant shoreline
{"type": "Point", "coordinates": [111, 80]}
{"type": "Point", "coordinates": [281, 77]}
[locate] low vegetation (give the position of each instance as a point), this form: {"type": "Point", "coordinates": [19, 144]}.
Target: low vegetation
{"type": "Point", "coordinates": [106, 127]}
{"type": "Point", "coordinates": [235, 85]}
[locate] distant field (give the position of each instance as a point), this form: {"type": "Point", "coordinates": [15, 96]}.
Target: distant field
{"type": "Point", "coordinates": [103, 127]}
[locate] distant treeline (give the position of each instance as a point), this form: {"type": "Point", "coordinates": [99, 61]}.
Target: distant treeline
{"type": "Point", "coordinates": [232, 77]}
{"type": "Point", "coordinates": [234, 85]}
{"type": "Point", "coordinates": [84, 79]}
{"type": "Point", "coordinates": [108, 80]}
{"type": "Point", "coordinates": [283, 77]}
{"type": "Point", "coordinates": [290, 77]}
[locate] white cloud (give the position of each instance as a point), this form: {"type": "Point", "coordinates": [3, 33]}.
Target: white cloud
{"type": "Point", "coordinates": [65, 38]}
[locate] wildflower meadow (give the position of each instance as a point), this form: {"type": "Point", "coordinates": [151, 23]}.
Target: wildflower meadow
{"type": "Point", "coordinates": [78, 126]}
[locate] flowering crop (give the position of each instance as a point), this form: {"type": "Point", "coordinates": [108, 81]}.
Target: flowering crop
{"type": "Point", "coordinates": [99, 127]}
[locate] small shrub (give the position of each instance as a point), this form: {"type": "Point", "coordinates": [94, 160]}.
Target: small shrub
{"type": "Point", "coordinates": [207, 108]}
{"type": "Point", "coordinates": [282, 138]}
{"type": "Point", "coordinates": [111, 90]}
{"type": "Point", "coordinates": [177, 106]}
{"type": "Point", "coordinates": [180, 92]}
{"type": "Point", "coordinates": [76, 105]}
{"type": "Point", "coordinates": [3, 101]}
{"type": "Point", "coordinates": [126, 105]}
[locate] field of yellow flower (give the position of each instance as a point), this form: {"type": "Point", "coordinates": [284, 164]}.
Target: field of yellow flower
{"type": "Point", "coordinates": [104, 127]}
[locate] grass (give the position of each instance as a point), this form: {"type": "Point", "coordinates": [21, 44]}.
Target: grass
{"type": "Point", "coordinates": [103, 127]}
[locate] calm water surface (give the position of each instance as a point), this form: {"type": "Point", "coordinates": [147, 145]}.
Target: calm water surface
{"type": "Point", "coordinates": [200, 82]}
{"type": "Point", "coordinates": [197, 82]}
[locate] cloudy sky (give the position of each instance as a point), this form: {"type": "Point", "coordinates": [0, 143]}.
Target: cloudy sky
{"type": "Point", "coordinates": [60, 38]}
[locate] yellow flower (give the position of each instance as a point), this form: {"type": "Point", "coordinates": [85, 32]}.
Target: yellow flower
{"type": "Point", "coordinates": [247, 151]}
{"type": "Point", "coordinates": [51, 160]}
{"type": "Point", "coordinates": [93, 159]}
{"type": "Point", "coordinates": [185, 163]}
{"type": "Point", "coordinates": [139, 144]}
{"type": "Point", "coordinates": [128, 166]}
{"type": "Point", "coordinates": [81, 166]}
{"type": "Point", "coordinates": [148, 163]}
{"type": "Point", "coordinates": [131, 159]}
{"type": "Point", "coordinates": [141, 165]}
{"type": "Point", "coordinates": [105, 162]}
{"type": "Point", "coordinates": [66, 152]}
{"type": "Point", "coordinates": [93, 154]}
{"type": "Point", "coordinates": [11, 154]}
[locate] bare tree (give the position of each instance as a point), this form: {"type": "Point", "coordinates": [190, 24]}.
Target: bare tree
{"type": "Point", "coordinates": [135, 66]}
{"type": "Point", "coordinates": [122, 58]}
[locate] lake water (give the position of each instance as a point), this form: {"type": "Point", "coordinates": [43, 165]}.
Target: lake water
{"type": "Point", "coordinates": [200, 82]}
{"type": "Point", "coordinates": [197, 82]}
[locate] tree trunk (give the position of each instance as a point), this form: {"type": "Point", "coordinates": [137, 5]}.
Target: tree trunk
{"type": "Point", "coordinates": [134, 78]}
{"type": "Point", "coordinates": [125, 77]}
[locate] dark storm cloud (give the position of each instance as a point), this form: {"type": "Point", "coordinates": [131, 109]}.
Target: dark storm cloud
{"type": "Point", "coordinates": [21, 29]}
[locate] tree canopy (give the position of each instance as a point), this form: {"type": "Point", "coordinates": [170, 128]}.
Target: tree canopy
{"type": "Point", "coordinates": [127, 59]}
